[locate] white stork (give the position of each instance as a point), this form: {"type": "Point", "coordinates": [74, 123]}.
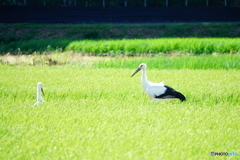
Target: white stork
{"type": "Point", "coordinates": [157, 91]}
{"type": "Point", "coordinates": [39, 90]}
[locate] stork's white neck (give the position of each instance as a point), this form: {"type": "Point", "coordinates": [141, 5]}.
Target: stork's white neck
{"type": "Point", "coordinates": [39, 97]}
{"type": "Point", "coordinates": [145, 82]}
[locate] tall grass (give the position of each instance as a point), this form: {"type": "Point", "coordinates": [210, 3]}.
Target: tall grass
{"type": "Point", "coordinates": [128, 46]}
{"type": "Point", "coordinates": [158, 46]}
{"type": "Point", "coordinates": [102, 113]}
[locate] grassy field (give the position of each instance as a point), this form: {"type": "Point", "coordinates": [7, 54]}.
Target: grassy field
{"type": "Point", "coordinates": [97, 111]}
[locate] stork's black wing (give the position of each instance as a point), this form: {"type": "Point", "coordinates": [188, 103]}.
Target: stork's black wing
{"type": "Point", "coordinates": [171, 93]}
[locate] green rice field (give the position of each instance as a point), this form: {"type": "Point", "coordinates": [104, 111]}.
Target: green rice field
{"type": "Point", "coordinates": [129, 47]}
{"type": "Point", "coordinates": [94, 110]}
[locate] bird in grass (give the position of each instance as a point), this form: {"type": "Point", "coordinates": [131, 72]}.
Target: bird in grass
{"type": "Point", "coordinates": [157, 91]}
{"type": "Point", "coordinates": [39, 96]}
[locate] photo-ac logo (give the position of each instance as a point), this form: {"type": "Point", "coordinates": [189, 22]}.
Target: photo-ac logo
{"type": "Point", "coordinates": [223, 154]}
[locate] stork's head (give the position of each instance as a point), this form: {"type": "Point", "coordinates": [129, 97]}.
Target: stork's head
{"type": "Point", "coordinates": [142, 66]}
{"type": "Point", "coordinates": [40, 87]}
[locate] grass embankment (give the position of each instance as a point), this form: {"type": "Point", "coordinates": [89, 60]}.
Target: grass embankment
{"type": "Point", "coordinates": [102, 113]}
{"type": "Point", "coordinates": [29, 38]}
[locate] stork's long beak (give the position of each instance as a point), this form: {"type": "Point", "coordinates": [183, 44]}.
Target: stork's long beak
{"type": "Point", "coordinates": [42, 91]}
{"type": "Point", "coordinates": [136, 71]}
